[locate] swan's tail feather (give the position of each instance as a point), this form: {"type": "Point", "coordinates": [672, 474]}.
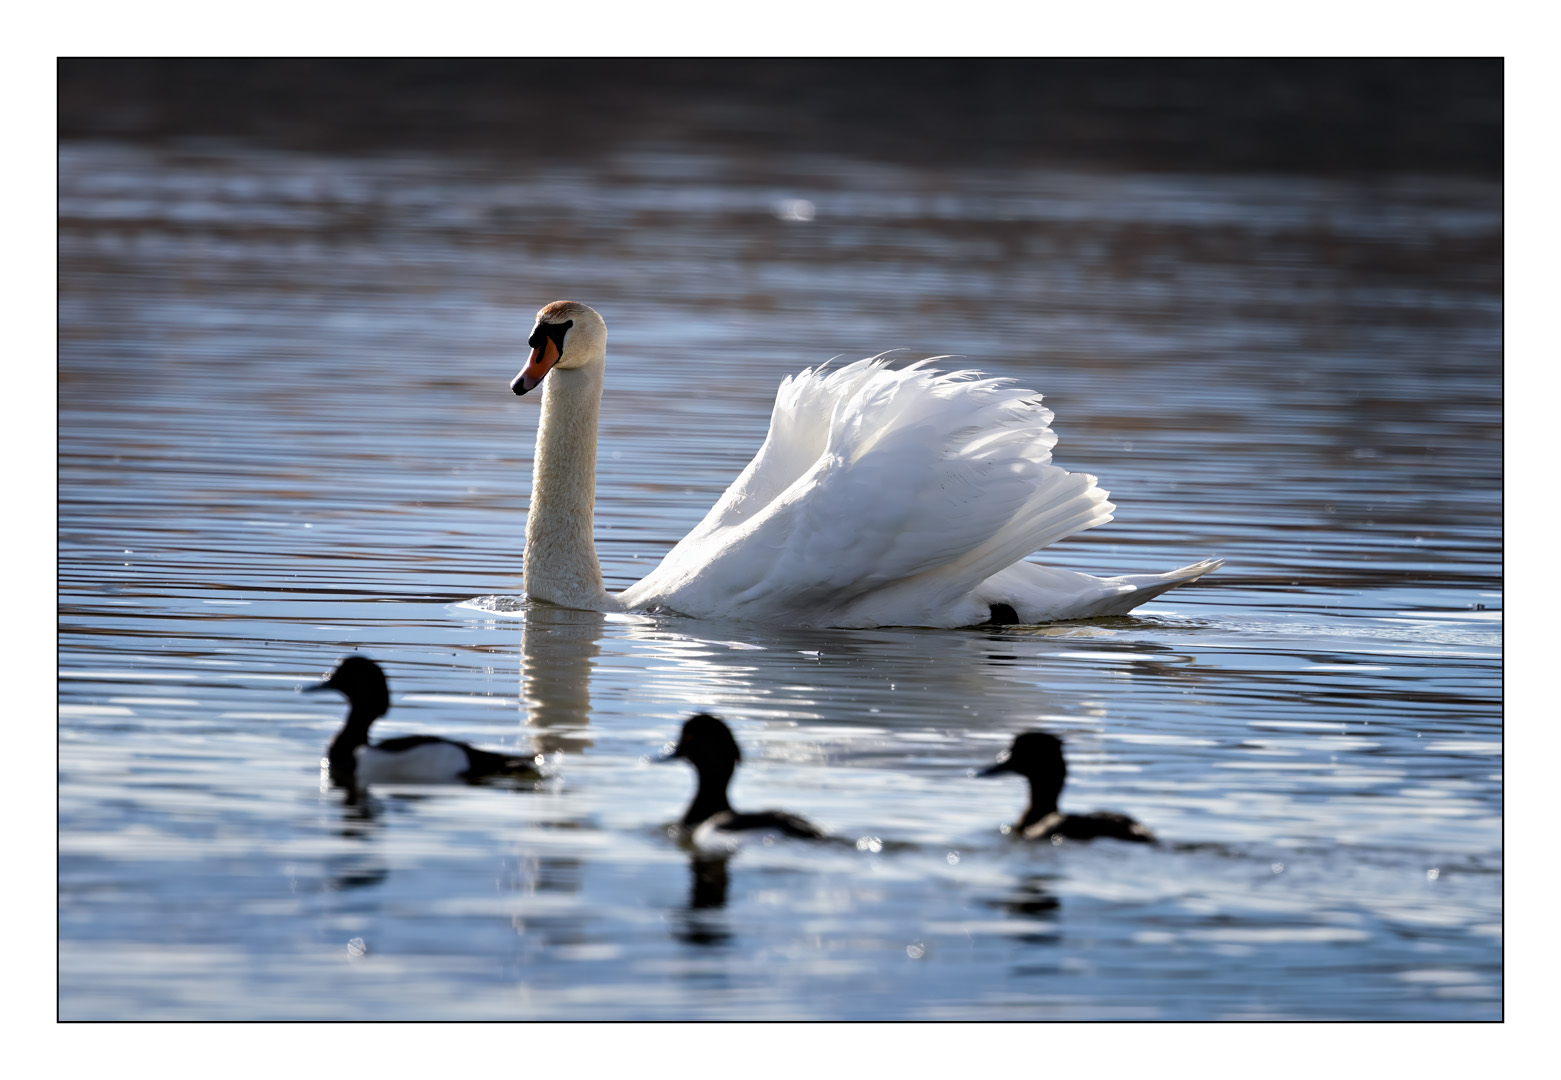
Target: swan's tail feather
{"type": "Point", "coordinates": [1145, 587]}
{"type": "Point", "coordinates": [1040, 594]}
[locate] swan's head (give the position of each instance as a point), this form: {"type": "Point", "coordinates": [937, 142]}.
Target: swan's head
{"type": "Point", "coordinates": [567, 335]}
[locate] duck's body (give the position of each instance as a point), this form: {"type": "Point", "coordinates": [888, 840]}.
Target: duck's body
{"type": "Point", "coordinates": [409, 759]}
{"type": "Point", "coordinates": [1037, 756]}
{"type": "Point", "coordinates": [879, 498]}
{"type": "Point", "coordinates": [430, 759]}
{"type": "Point", "coordinates": [1102, 823]}
{"type": "Point", "coordinates": [707, 744]}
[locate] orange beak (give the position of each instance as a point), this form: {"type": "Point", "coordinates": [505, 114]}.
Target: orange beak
{"type": "Point", "coordinates": [543, 357]}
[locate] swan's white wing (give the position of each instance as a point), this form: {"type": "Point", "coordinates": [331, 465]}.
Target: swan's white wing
{"type": "Point", "coordinates": [879, 496]}
{"type": "Point", "coordinates": [799, 432]}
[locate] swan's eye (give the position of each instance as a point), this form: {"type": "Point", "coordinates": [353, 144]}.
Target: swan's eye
{"type": "Point", "coordinates": [543, 331]}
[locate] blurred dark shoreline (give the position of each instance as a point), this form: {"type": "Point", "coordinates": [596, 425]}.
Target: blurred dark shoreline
{"type": "Point", "coordinates": [1295, 116]}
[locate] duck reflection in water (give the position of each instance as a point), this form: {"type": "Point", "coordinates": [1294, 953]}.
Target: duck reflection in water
{"type": "Point", "coordinates": [1031, 899]}
{"type": "Point", "coordinates": [358, 863]}
{"type": "Point", "coordinates": [702, 922]}
{"type": "Point", "coordinates": [707, 744]}
{"type": "Point", "coordinates": [1037, 756]}
{"type": "Point", "coordinates": [707, 885]}
{"type": "Point", "coordinates": [354, 762]}
{"type": "Point", "coordinates": [1031, 896]}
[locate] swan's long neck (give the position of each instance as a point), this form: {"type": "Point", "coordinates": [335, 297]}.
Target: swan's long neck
{"type": "Point", "coordinates": [560, 561]}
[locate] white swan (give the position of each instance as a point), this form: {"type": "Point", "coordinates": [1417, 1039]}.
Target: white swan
{"type": "Point", "coordinates": [880, 498]}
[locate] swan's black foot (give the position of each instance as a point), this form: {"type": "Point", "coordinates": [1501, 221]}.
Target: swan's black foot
{"type": "Point", "coordinates": [1003, 615]}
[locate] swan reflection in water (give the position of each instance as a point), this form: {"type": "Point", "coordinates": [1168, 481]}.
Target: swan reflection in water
{"type": "Point", "coordinates": [558, 651]}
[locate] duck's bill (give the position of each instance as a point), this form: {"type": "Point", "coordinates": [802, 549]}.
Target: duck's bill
{"type": "Point", "coordinates": [993, 770]}
{"type": "Point", "coordinates": [543, 357]}
{"type": "Point", "coordinates": [318, 686]}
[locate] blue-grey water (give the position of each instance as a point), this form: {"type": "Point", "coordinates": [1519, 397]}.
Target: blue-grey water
{"type": "Point", "coordinates": [286, 435]}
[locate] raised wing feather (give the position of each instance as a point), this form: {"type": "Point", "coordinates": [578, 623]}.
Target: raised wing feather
{"type": "Point", "coordinates": [874, 483]}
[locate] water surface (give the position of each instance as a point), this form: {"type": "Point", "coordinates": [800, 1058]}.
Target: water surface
{"type": "Point", "coordinates": [286, 434]}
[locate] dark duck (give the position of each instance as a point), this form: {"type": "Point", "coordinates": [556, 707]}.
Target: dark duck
{"type": "Point", "coordinates": [707, 744]}
{"type": "Point", "coordinates": [407, 759]}
{"type": "Point", "coordinates": [1037, 757]}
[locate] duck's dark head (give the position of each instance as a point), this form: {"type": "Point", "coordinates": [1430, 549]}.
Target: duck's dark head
{"type": "Point", "coordinates": [706, 743]}
{"type": "Point", "coordinates": [1035, 755]}
{"type": "Point", "coordinates": [363, 683]}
